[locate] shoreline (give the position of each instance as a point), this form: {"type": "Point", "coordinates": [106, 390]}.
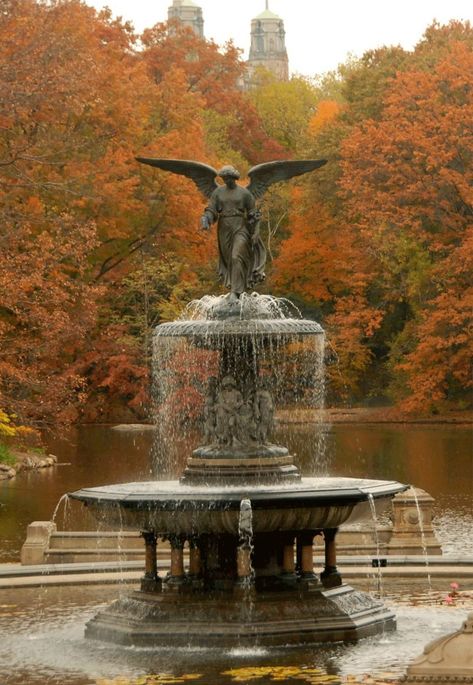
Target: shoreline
{"type": "Point", "coordinates": [338, 415]}
{"type": "Point", "coordinates": [26, 461]}
{"type": "Point", "coordinates": [377, 415]}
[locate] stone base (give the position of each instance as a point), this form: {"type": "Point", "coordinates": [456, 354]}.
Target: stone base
{"type": "Point", "coordinates": [241, 616]}
{"type": "Point", "coordinates": [245, 464]}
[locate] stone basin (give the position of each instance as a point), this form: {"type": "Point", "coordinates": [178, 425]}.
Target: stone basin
{"type": "Point", "coordinates": [173, 508]}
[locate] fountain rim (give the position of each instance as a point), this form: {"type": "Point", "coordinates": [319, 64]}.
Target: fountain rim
{"type": "Point", "coordinates": [227, 500]}
{"type": "Point", "coordinates": [215, 328]}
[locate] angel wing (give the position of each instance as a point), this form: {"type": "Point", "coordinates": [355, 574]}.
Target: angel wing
{"type": "Point", "coordinates": [264, 175]}
{"type": "Point", "coordinates": [203, 175]}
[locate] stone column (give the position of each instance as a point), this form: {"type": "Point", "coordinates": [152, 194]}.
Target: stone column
{"type": "Point", "coordinates": [150, 581]}
{"type": "Point", "coordinates": [413, 532]}
{"type": "Point", "coordinates": [195, 561]}
{"type": "Point", "coordinates": [37, 542]}
{"type": "Point", "coordinates": [288, 575]}
{"type": "Point", "coordinates": [288, 563]}
{"type": "Point", "coordinates": [243, 563]}
{"type": "Point", "coordinates": [176, 576]}
{"type": "Point", "coordinates": [330, 576]}
{"type": "Point", "coordinates": [307, 555]}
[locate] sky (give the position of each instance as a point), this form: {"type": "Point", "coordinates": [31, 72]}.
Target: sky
{"type": "Point", "coordinates": [319, 35]}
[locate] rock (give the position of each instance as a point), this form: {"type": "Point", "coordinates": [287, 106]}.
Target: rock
{"type": "Point", "coordinates": [5, 467]}
{"type": "Point", "coordinates": [53, 457]}
{"type": "Point", "coordinates": [132, 427]}
{"type": "Point", "coordinates": [29, 463]}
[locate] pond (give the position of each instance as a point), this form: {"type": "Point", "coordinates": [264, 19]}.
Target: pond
{"type": "Point", "coordinates": [436, 458]}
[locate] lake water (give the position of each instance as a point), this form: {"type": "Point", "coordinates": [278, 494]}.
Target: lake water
{"type": "Point", "coordinates": [436, 458]}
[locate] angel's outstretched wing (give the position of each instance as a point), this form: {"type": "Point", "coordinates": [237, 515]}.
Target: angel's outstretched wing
{"type": "Point", "coordinates": [203, 175]}
{"type": "Point", "coordinates": [264, 175]}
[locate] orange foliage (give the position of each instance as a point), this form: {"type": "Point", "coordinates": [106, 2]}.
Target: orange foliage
{"type": "Point", "coordinates": [327, 111]}
{"type": "Point", "coordinates": [214, 75]}
{"type": "Point", "coordinates": [408, 182]}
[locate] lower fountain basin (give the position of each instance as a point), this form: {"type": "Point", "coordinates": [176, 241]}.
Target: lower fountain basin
{"type": "Point", "coordinates": [173, 508]}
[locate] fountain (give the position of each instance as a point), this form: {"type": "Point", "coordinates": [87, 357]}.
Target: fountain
{"type": "Point", "coordinates": [241, 507]}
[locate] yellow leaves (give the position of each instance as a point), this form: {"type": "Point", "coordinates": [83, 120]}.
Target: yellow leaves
{"type": "Point", "coordinates": [275, 674]}
{"type": "Point", "coordinates": [6, 427]}
{"type": "Point", "coordinates": [155, 679]}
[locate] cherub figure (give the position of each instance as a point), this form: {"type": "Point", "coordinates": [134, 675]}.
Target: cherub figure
{"type": "Point", "coordinates": [264, 412]}
{"type": "Point", "coordinates": [229, 402]}
{"type": "Point", "coordinates": [245, 424]}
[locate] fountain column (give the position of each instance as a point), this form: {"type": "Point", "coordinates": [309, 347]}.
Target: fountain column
{"type": "Point", "coordinates": [288, 563]}
{"type": "Point", "coordinates": [330, 576]}
{"type": "Point", "coordinates": [176, 576]}
{"type": "Point", "coordinates": [150, 582]}
{"type": "Point", "coordinates": [195, 561]}
{"type": "Point", "coordinates": [306, 541]}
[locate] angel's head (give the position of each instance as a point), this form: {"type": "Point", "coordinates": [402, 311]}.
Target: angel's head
{"type": "Point", "coordinates": [229, 174]}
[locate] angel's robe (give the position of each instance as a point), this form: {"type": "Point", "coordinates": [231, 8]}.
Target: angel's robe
{"type": "Point", "coordinates": [241, 263]}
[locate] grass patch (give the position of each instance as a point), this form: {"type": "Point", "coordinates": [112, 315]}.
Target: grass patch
{"type": "Point", "coordinates": [39, 451]}
{"type": "Point", "coordinates": [6, 457]}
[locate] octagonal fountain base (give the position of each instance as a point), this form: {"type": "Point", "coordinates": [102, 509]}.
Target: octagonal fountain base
{"type": "Point", "coordinates": [244, 617]}
{"type": "Point", "coordinates": [250, 578]}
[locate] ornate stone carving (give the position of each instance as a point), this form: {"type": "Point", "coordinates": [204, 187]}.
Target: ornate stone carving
{"type": "Point", "coordinates": [233, 421]}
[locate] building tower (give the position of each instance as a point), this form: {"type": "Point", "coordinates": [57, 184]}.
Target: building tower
{"type": "Point", "coordinates": [268, 45]}
{"type": "Point", "coordinates": [189, 14]}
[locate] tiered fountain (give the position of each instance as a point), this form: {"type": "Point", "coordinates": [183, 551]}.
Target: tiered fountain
{"type": "Point", "coordinates": [248, 517]}
{"type": "Point", "coordinates": [241, 507]}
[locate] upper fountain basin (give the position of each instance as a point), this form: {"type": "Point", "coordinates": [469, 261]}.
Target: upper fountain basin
{"type": "Point", "coordinates": [268, 328]}
{"type": "Point", "coordinates": [168, 507]}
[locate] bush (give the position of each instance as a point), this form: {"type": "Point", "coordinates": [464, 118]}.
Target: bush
{"type": "Point", "coordinates": [6, 457]}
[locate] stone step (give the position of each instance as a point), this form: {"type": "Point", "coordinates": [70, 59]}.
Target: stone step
{"type": "Point", "coordinates": [94, 540]}
{"type": "Point", "coordinates": [72, 556]}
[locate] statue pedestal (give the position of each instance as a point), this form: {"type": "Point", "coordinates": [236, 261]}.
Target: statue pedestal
{"type": "Point", "coordinates": [245, 464]}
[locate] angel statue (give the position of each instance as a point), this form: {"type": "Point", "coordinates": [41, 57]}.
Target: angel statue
{"type": "Point", "coordinates": [242, 255]}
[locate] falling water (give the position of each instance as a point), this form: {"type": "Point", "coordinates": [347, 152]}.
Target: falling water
{"type": "Point", "coordinates": [245, 539]}
{"type": "Point", "coordinates": [252, 306]}
{"type": "Point", "coordinates": [188, 353]}
{"type": "Point", "coordinates": [379, 574]}
{"type": "Point", "coordinates": [246, 571]}
{"type": "Point", "coordinates": [420, 518]}
{"type": "Point", "coordinates": [64, 499]}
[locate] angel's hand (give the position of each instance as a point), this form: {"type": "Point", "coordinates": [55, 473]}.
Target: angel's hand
{"type": "Point", "coordinates": [205, 223]}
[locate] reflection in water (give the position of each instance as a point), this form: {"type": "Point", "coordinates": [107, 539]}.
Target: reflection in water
{"type": "Point", "coordinates": [437, 459]}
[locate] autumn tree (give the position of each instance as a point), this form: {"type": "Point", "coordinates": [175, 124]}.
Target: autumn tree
{"type": "Point", "coordinates": [68, 189]}
{"type": "Point", "coordinates": [216, 76]}
{"type": "Point", "coordinates": [411, 194]}
{"type": "Point", "coordinates": [398, 188]}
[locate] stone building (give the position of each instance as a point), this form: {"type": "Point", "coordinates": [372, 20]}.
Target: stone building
{"type": "Point", "coordinates": [268, 45]}
{"type": "Point", "coordinates": [189, 14]}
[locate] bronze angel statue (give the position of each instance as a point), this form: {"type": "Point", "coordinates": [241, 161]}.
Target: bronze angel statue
{"type": "Point", "coordinates": [242, 255]}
